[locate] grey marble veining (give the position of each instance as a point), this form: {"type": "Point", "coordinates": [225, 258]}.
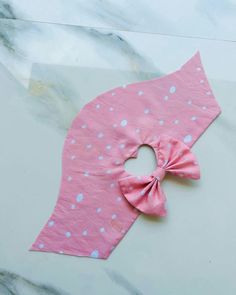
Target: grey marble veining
{"type": "Point", "coordinates": [6, 10]}
{"type": "Point", "coordinates": [14, 284]}
{"type": "Point", "coordinates": [54, 98]}
{"type": "Point", "coordinates": [194, 18]}
{"type": "Point", "coordinates": [22, 42]}
{"type": "Point", "coordinates": [123, 282]}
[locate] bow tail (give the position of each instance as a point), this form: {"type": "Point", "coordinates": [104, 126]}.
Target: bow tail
{"type": "Point", "coordinates": [154, 203]}
{"type": "Point", "coordinates": [148, 198]}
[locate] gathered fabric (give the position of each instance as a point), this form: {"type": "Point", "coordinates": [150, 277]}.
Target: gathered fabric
{"type": "Point", "coordinates": [145, 192]}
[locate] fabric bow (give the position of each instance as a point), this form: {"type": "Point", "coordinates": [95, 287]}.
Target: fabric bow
{"type": "Point", "coordinates": [145, 192]}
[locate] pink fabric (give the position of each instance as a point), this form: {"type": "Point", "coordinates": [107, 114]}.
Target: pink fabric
{"type": "Point", "coordinates": [145, 193]}
{"type": "Point", "coordinates": [92, 215]}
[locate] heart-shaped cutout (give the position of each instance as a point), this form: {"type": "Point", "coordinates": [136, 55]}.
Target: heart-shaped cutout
{"type": "Point", "coordinates": [144, 164]}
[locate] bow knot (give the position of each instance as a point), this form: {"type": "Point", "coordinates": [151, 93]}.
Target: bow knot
{"type": "Point", "coordinates": [159, 173]}
{"type": "Point", "coordinates": [146, 194]}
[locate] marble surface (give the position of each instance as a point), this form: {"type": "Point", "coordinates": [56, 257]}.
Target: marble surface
{"type": "Point", "coordinates": [215, 19]}
{"type": "Point", "coordinates": [46, 73]}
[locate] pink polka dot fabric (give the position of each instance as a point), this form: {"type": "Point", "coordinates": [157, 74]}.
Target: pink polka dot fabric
{"type": "Point", "coordinates": [92, 215]}
{"type": "Point", "coordinates": [145, 192]}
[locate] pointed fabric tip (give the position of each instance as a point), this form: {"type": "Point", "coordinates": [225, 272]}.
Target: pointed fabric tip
{"type": "Point", "coordinates": [194, 62]}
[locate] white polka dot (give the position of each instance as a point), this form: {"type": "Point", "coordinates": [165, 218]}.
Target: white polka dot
{"type": "Point", "coordinates": [189, 102]}
{"type": "Point", "coordinates": [113, 93]}
{"type": "Point", "coordinates": [204, 107]}
{"type": "Point", "coordinates": [108, 171]}
{"type": "Point", "coordinates": [98, 210]}
{"type": "Point", "coordinates": [79, 197]}
{"type": "Point", "coordinates": [150, 194]}
{"type": "Point", "coordinates": [100, 157]}
{"type": "Point", "coordinates": [117, 162]}
{"type": "Point", "coordinates": [72, 157]}
{"type": "Point", "coordinates": [123, 123]}
{"type": "Point", "coordinates": [88, 146]}
{"type": "Point", "coordinates": [69, 178]}
{"type": "Point", "coordinates": [85, 232]}
{"type": "Point", "coordinates": [124, 86]}
{"type": "Point", "coordinates": [166, 97]}
{"type": "Point", "coordinates": [208, 93]}
{"type": "Point", "coordinates": [198, 69]}
{"type": "Point", "coordinates": [72, 206]}
{"type": "Point", "coordinates": [202, 81]}
{"type": "Point", "coordinates": [137, 130]}
{"type": "Point", "coordinates": [68, 234]}
{"type": "Point", "coordinates": [161, 122]}
{"type": "Point", "coordinates": [146, 111]}
{"type": "Point", "coordinates": [61, 252]}
{"type": "Point", "coordinates": [73, 141]}
{"type": "Point", "coordinates": [139, 177]}
{"type": "Point", "coordinates": [188, 138]}
{"type": "Point", "coordinates": [51, 223]}
{"type": "Point", "coordinates": [100, 135]}
{"type": "Point", "coordinates": [98, 106]}
{"type": "Point", "coordinates": [114, 125]}
{"type": "Point", "coordinates": [118, 199]}
{"type": "Point", "coordinates": [102, 229]}
{"type": "Point", "coordinates": [108, 147]}
{"type": "Point", "coordinates": [122, 145]}
{"type": "Point", "coordinates": [94, 254]}
{"type": "Point", "coordinates": [172, 89]}
{"type": "Point", "coordinates": [41, 246]}
{"type": "Point", "coordinates": [112, 185]}
{"type": "Point", "coordinates": [113, 216]}
{"type": "Point", "coordinates": [86, 173]}
{"type": "Point", "coordinates": [193, 118]}
{"type": "Point", "coordinates": [140, 93]}
{"type": "Point", "coordinates": [84, 126]}
{"type": "Point", "coordinates": [176, 122]}
{"type": "Point", "coordinates": [111, 109]}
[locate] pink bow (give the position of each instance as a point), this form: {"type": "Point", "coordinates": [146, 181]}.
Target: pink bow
{"type": "Point", "coordinates": [145, 192]}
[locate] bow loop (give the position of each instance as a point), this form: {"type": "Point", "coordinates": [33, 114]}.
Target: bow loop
{"type": "Point", "coordinates": [145, 193]}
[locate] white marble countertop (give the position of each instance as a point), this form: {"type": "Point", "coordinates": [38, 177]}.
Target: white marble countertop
{"type": "Point", "coordinates": [50, 55]}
